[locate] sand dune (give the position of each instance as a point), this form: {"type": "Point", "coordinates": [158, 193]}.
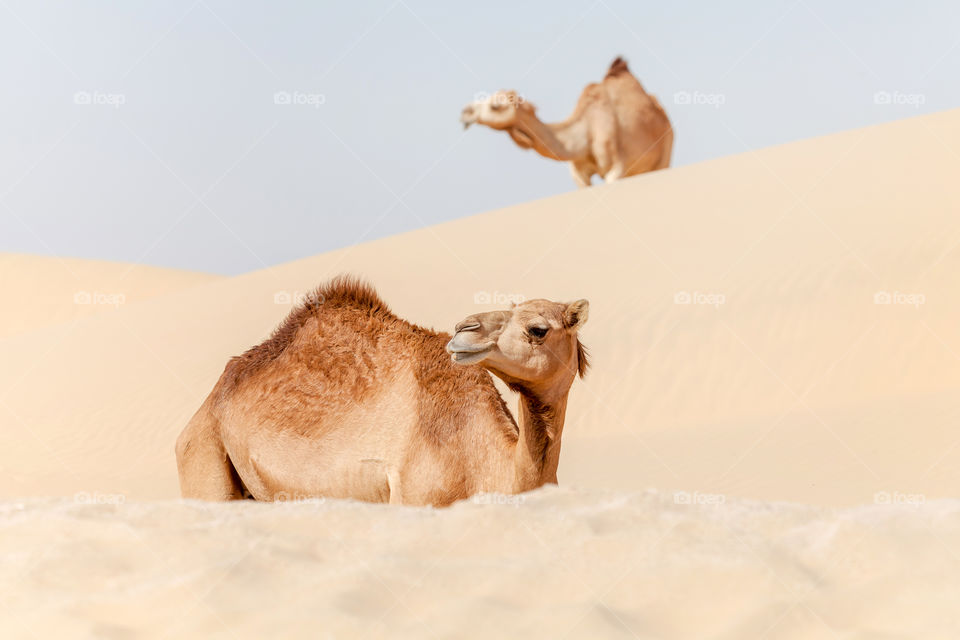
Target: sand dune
{"type": "Point", "coordinates": [40, 291]}
{"type": "Point", "coordinates": [782, 379]}
{"type": "Point", "coordinates": [780, 325]}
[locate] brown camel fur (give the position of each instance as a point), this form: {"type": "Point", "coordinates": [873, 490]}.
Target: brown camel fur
{"type": "Point", "coordinates": [346, 400]}
{"type": "Point", "coordinates": [617, 129]}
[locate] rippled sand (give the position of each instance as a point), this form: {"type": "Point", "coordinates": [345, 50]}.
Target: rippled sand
{"type": "Point", "coordinates": [556, 563]}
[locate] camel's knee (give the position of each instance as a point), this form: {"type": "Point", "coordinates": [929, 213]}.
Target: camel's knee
{"type": "Point", "coordinates": [204, 469]}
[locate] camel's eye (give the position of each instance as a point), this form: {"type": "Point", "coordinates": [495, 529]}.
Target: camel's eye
{"type": "Point", "coordinates": [497, 106]}
{"type": "Point", "coordinates": [538, 332]}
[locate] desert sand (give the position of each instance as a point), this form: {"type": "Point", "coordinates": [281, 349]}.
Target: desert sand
{"type": "Point", "coordinates": [41, 291]}
{"type": "Point", "coordinates": [767, 442]}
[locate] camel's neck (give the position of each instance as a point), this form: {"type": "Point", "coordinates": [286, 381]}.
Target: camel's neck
{"type": "Point", "coordinates": [538, 447]}
{"type": "Point", "coordinates": [565, 141]}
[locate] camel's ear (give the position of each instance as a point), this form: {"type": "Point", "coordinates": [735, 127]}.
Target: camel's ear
{"type": "Point", "coordinates": [576, 315]}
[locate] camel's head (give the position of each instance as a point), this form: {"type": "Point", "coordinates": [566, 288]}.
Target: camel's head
{"type": "Point", "coordinates": [533, 345]}
{"type": "Point", "coordinates": [497, 111]}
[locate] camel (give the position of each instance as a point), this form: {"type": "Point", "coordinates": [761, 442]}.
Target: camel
{"type": "Point", "coordinates": [617, 129]}
{"type": "Point", "coordinates": [347, 400]}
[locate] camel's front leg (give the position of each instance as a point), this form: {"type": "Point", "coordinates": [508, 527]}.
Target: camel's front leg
{"type": "Point", "coordinates": [614, 174]}
{"type": "Point", "coordinates": [581, 174]}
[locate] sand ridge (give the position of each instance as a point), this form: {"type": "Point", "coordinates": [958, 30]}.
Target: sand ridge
{"type": "Point", "coordinates": [41, 291]}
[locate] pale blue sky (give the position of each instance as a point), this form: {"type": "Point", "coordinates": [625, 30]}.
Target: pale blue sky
{"type": "Point", "coordinates": [198, 167]}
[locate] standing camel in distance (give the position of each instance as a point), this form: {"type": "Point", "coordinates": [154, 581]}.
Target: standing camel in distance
{"type": "Point", "coordinates": [617, 129]}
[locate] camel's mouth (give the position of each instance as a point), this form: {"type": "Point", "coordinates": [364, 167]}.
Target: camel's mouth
{"type": "Point", "coordinates": [468, 357]}
{"type": "Point", "coordinates": [465, 353]}
{"type": "Point", "coordinates": [468, 116]}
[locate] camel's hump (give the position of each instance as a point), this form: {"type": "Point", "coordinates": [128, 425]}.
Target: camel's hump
{"type": "Point", "coordinates": [346, 290]}
{"type": "Point", "coordinates": [617, 67]}
{"type": "Point", "coordinates": [339, 293]}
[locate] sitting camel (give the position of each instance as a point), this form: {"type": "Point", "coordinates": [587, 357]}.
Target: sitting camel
{"type": "Point", "coordinates": [617, 129]}
{"type": "Point", "coordinates": [346, 400]}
